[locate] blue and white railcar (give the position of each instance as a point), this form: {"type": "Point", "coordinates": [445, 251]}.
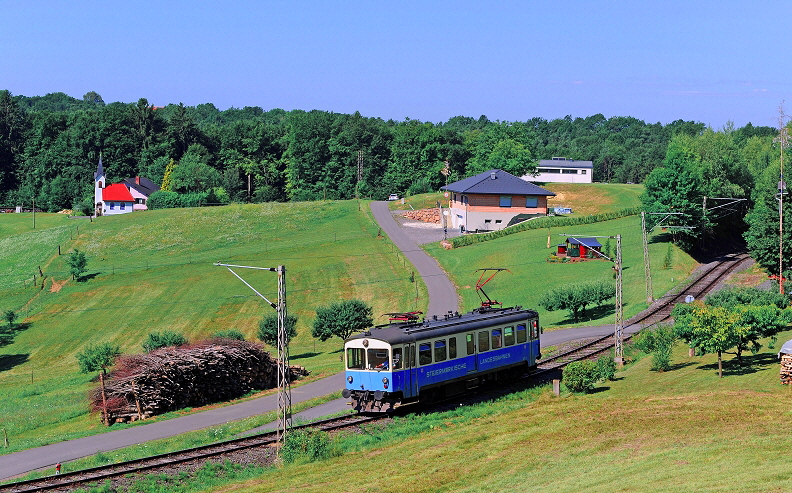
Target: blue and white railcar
{"type": "Point", "coordinates": [403, 362]}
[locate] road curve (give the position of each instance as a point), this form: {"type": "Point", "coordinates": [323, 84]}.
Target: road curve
{"type": "Point", "coordinates": [442, 293]}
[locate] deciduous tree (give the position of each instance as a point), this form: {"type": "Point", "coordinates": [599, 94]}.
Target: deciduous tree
{"type": "Point", "coordinates": [268, 329]}
{"type": "Point", "coordinates": [341, 319]}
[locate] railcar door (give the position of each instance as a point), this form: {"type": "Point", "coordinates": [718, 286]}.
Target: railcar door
{"type": "Point", "coordinates": [411, 373]}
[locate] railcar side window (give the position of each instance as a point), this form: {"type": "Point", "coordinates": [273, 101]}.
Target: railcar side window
{"type": "Point", "coordinates": [522, 334]}
{"type": "Point", "coordinates": [483, 341]}
{"type": "Point", "coordinates": [508, 336]}
{"type": "Point", "coordinates": [411, 356]}
{"type": "Point", "coordinates": [440, 350]}
{"type": "Point", "coordinates": [471, 344]}
{"type": "Point", "coordinates": [497, 340]}
{"type": "Point", "coordinates": [356, 358]}
{"type": "Point", "coordinates": [534, 329]}
{"type": "Point", "coordinates": [397, 358]}
{"type": "Point", "coordinates": [425, 354]}
{"type": "Point", "coordinates": [452, 348]}
{"type": "Point", "coordinates": [378, 359]}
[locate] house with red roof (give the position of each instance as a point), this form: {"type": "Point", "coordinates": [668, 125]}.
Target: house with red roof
{"type": "Point", "coordinates": [120, 198]}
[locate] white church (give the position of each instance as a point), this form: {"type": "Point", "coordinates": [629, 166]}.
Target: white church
{"type": "Point", "coordinates": [120, 198]}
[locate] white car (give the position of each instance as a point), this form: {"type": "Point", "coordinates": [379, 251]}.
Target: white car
{"type": "Point", "coordinates": [393, 196]}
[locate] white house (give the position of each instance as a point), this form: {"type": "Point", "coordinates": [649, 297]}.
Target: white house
{"type": "Point", "coordinates": [562, 170]}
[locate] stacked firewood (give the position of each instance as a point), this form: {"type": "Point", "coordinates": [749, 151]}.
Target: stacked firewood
{"type": "Point", "coordinates": [425, 215]}
{"type": "Point", "coordinates": [144, 385]}
{"type": "Point", "coordinates": [786, 369]}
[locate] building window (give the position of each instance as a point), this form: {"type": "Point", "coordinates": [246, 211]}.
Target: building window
{"type": "Point", "coordinates": [112, 206]}
{"type": "Point", "coordinates": [532, 202]}
{"type": "Point", "coordinates": [498, 221]}
{"type": "Point", "coordinates": [487, 221]}
{"type": "Point", "coordinates": [582, 172]}
{"type": "Point", "coordinates": [505, 201]}
{"type": "Point", "coordinates": [569, 171]}
{"type": "Point", "coordinates": [122, 206]}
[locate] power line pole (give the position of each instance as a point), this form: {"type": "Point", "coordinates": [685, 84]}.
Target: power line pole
{"type": "Point", "coordinates": [284, 385]}
{"type": "Point", "coordinates": [647, 267]}
{"type": "Point", "coordinates": [783, 140]}
{"type": "Point", "coordinates": [618, 330]}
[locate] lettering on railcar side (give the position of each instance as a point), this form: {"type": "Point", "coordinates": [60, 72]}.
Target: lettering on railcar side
{"type": "Point", "coordinates": [493, 359]}
{"type": "Point", "coordinates": [434, 373]}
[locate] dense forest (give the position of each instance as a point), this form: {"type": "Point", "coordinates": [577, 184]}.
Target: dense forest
{"type": "Point", "coordinates": [50, 145]}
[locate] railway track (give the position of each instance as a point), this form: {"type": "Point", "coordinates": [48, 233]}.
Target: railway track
{"type": "Point", "coordinates": [658, 312]}
{"type": "Point", "coordinates": [174, 460]}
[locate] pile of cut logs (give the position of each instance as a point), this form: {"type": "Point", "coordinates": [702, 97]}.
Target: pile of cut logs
{"type": "Point", "coordinates": [144, 385]}
{"type": "Point", "coordinates": [786, 369]}
{"type": "Point", "coordinates": [425, 215]}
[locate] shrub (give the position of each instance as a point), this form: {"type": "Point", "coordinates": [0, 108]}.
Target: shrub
{"type": "Point", "coordinates": [581, 376]}
{"type": "Point", "coordinates": [305, 446]}
{"type": "Point", "coordinates": [229, 334]}
{"type": "Point", "coordinates": [166, 338]}
{"type": "Point", "coordinates": [659, 343]}
{"type": "Point", "coordinates": [606, 368]}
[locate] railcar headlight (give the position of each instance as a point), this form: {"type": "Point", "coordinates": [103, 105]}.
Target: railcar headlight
{"type": "Point", "coordinates": [385, 380]}
{"type": "Point", "coordinates": [349, 379]}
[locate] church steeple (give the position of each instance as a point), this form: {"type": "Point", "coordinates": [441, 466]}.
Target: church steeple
{"type": "Point", "coordinates": [99, 185]}
{"type": "Point", "coordinates": [99, 169]}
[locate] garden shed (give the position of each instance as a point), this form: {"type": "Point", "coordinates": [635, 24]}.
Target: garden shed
{"type": "Point", "coordinates": [579, 247]}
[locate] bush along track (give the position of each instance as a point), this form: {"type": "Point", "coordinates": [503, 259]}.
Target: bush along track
{"type": "Point", "coordinates": [544, 222]}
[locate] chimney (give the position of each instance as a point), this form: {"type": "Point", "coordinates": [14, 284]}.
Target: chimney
{"type": "Point", "coordinates": [137, 180]}
{"type": "Point", "coordinates": [492, 175]}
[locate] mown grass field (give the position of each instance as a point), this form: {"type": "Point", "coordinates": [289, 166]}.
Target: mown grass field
{"type": "Point", "coordinates": [154, 271]}
{"type": "Point", "coordinates": [682, 430]}
{"type": "Point", "coordinates": [525, 255]}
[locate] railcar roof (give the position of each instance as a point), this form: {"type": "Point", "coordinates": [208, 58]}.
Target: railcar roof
{"type": "Point", "coordinates": [397, 333]}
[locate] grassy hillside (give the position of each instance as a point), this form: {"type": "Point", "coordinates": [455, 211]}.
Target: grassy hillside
{"type": "Point", "coordinates": [683, 430]}
{"type": "Point", "coordinates": [154, 271]}
{"type": "Point", "coordinates": [525, 255]}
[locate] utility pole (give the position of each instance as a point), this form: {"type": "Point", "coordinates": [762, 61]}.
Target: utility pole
{"type": "Point", "coordinates": [647, 267]}
{"type": "Point", "coordinates": [618, 330]}
{"type": "Point", "coordinates": [284, 386]}
{"type": "Point", "coordinates": [783, 140]}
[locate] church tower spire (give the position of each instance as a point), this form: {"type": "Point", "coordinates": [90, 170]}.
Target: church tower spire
{"type": "Point", "coordinates": [99, 184]}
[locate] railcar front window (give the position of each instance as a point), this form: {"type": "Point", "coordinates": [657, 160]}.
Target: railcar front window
{"type": "Point", "coordinates": [425, 354]}
{"type": "Point", "coordinates": [397, 358]}
{"type": "Point", "coordinates": [452, 348]}
{"type": "Point", "coordinates": [483, 341]}
{"type": "Point", "coordinates": [497, 340]}
{"type": "Point", "coordinates": [522, 334]}
{"type": "Point", "coordinates": [508, 336]}
{"type": "Point", "coordinates": [378, 359]}
{"type": "Point", "coordinates": [440, 351]}
{"type": "Point", "coordinates": [356, 358]}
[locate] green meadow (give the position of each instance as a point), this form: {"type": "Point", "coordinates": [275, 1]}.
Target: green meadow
{"type": "Point", "coordinates": [530, 274]}
{"type": "Point", "coordinates": [681, 430]}
{"type": "Point", "coordinates": [155, 271]}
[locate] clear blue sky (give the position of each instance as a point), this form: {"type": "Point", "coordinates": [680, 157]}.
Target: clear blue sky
{"type": "Point", "coordinates": [710, 61]}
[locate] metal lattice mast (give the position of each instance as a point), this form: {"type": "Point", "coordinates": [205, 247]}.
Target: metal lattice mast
{"type": "Point", "coordinates": [284, 386]}
{"type": "Point", "coordinates": [619, 329]}
{"type": "Point", "coordinates": [647, 266]}
{"type": "Point", "coordinates": [783, 140]}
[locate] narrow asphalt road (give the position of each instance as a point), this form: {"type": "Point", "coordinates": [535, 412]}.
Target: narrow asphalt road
{"type": "Point", "coordinates": [442, 293]}
{"type": "Point", "coordinates": [442, 298]}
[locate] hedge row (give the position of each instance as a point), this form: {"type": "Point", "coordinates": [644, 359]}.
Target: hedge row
{"type": "Point", "coordinates": [545, 222]}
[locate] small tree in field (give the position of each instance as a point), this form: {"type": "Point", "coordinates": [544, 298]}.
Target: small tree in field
{"type": "Point", "coordinates": [10, 316]}
{"type": "Point", "coordinates": [77, 263]}
{"type": "Point", "coordinates": [268, 329]}
{"type": "Point", "coordinates": [342, 319]}
{"type": "Point", "coordinates": [659, 343]}
{"type": "Point", "coordinates": [166, 338]}
{"type": "Point", "coordinates": [711, 329]}
{"type": "Point", "coordinates": [98, 357]}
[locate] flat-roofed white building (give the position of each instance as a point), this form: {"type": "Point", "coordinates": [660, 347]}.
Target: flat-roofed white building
{"type": "Point", "coordinates": [562, 170]}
